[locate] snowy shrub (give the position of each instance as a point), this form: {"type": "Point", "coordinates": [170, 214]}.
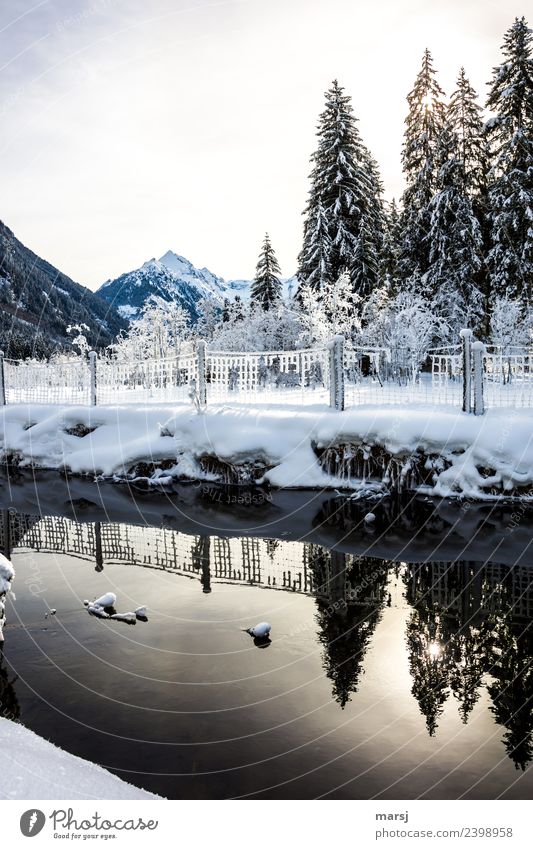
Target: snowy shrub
{"type": "Point", "coordinates": [158, 333]}
{"type": "Point", "coordinates": [510, 324]}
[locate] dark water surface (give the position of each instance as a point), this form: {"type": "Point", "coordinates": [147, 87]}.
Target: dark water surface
{"type": "Point", "coordinates": [384, 678]}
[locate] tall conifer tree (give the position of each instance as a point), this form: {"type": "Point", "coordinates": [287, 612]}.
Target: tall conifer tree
{"type": "Point", "coordinates": [465, 117]}
{"type": "Point", "coordinates": [455, 242]}
{"type": "Point", "coordinates": [266, 289]}
{"type": "Point", "coordinates": [423, 128]}
{"type": "Point", "coordinates": [345, 189]}
{"type": "Point", "coordinates": [510, 134]}
{"type": "Point", "coordinates": [390, 254]}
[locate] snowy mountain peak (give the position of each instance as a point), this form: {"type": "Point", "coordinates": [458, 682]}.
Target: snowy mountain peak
{"type": "Point", "coordinates": [174, 278]}
{"type": "Point", "coordinates": [175, 262]}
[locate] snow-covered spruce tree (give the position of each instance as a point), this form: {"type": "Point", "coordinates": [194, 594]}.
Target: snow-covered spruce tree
{"type": "Point", "coordinates": [465, 117]}
{"type": "Point", "coordinates": [316, 252]}
{"type": "Point", "coordinates": [365, 269]}
{"type": "Point", "coordinates": [266, 288]}
{"type": "Point", "coordinates": [510, 134]}
{"type": "Point", "coordinates": [390, 252]}
{"type": "Point", "coordinates": [423, 127]}
{"type": "Point", "coordinates": [455, 242]}
{"type": "Point", "coordinates": [345, 184]}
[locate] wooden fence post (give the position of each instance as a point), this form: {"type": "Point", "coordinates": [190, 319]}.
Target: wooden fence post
{"type": "Point", "coordinates": [92, 377]}
{"type": "Point", "coordinates": [478, 350]}
{"type": "Point", "coordinates": [466, 342]}
{"type": "Point", "coordinates": [202, 384]}
{"type": "Point", "coordinates": [2, 381]}
{"type": "Point", "coordinates": [336, 373]}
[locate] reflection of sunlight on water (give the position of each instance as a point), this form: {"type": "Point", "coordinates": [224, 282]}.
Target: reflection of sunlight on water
{"type": "Point", "coordinates": [434, 650]}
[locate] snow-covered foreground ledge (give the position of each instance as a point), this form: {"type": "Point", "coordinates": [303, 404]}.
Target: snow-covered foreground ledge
{"type": "Point", "coordinates": [436, 450]}
{"type": "Point", "coordinates": [33, 768]}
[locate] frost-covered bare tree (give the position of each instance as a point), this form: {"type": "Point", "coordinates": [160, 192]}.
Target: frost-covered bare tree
{"type": "Point", "coordinates": [159, 332]}
{"type": "Point", "coordinates": [335, 309]}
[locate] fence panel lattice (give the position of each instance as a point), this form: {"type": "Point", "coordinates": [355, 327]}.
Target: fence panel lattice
{"type": "Point", "coordinates": [376, 376]}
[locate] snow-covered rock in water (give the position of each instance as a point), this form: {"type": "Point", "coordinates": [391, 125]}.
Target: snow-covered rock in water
{"type": "Point", "coordinates": [96, 610]}
{"type": "Point", "coordinates": [261, 630]}
{"type": "Point", "coordinates": [140, 613]}
{"type": "Point", "coordinates": [130, 618]}
{"type": "Point", "coordinates": [370, 518]}
{"type": "Point", "coordinates": [40, 770]}
{"type": "Point", "coordinates": [106, 600]}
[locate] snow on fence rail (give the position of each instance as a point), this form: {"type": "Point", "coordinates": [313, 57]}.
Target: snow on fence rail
{"type": "Point", "coordinates": [470, 375]}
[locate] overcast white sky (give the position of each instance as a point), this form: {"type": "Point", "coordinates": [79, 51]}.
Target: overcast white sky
{"type": "Point", "coordinates": [128, 127]}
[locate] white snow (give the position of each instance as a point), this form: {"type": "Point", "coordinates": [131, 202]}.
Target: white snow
{"type": "Point", "coordinates": [96, 610]}
{"type": "Point", "coordinates": [262, 629]}
{"type": "Point", "coordinates": [7, 573]}
{"type": "Point", "coordinates": [33, 768]}
{"type": "Point", "coordinates": [283, 437]}
{"type": "Point", "coordinates": [127, 311]}
{"type": "Point", "coordinates": [106, 600]}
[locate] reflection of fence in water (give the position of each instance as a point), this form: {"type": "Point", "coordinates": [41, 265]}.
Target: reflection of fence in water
{"type": "Point", "coordinates": [276, 564]}
{"type": "Point", "coordinates": [472, 590]}
{"type": "Point", "coordinates": [466, 588]}
{"type": "Point", "coordinates": [279, 565]}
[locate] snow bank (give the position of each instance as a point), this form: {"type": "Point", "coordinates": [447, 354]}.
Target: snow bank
{"type": "Point", "coordinates": [7, 573]}
{"type": "Point", "coordinates": [481, 456]}
{"type": "Point", "coordinates": [33, 768]}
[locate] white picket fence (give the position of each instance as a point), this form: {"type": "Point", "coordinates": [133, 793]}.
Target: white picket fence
{"type": "Point", "coordinates": [470, 376]}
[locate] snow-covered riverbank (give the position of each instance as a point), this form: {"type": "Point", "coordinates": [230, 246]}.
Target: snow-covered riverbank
{"type": "Point", "coordinates": [452, 453]}
{"type": "Point", "coordinates": [33, 768]}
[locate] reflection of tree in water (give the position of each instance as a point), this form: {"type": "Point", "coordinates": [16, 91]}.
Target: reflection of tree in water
{"type": "Point", "coordinates": [350, 593]}
{"type": "Point", "coordinates": [467, 652]}
{"type": "Point", "coordinates": [448, 635]}
{"type": "Point", "coordinates": [428, 665]}
{"type": "Point", "coordinates": [512, 690]}
{"type": "Point", "coordinates": [9, 706]}
{"type": "Point", "coordinates": [271, 546]}
{"type": "Point", "coordinates": [468, 623]}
